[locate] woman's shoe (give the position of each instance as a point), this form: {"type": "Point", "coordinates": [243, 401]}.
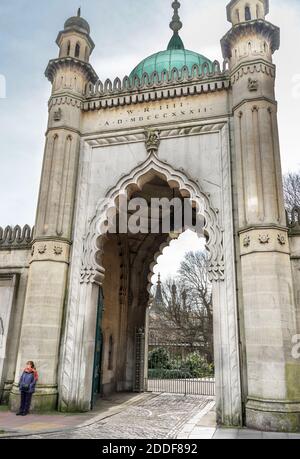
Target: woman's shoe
{"type": "Point", "coordinates": [19, 413]}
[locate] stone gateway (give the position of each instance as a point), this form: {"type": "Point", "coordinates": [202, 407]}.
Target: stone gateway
{"type": "Point", "coordinates": [73, 297]}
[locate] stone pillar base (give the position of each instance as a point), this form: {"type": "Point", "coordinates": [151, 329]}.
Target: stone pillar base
{"type": "Point", "coordinates": [4, 394]}
{"type": "Point", "coordinates": [273, 415]}
{"type": "Point", "coordinates": [44, 399]}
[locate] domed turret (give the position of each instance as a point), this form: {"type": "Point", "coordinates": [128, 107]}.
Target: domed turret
{"type": "Point", "coordinates": [77, 23]}
{"type": "Point", "coordinates": [75, 40]}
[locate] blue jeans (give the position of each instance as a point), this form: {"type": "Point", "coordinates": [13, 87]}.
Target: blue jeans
{"type": "Point", "coordinates": [25, 402]}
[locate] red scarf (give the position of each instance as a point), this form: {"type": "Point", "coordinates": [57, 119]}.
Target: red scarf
{"type": "Point", "coordinates": [35, 373]}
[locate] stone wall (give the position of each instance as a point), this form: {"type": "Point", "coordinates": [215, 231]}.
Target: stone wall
{"type": "Point", "coordinates": [14, 264]}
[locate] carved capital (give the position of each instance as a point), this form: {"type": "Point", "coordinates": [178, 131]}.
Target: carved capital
{"type": "Point", "coordinates": [264, 240]}
{"type": "Point", "coordinates": [50, 250]}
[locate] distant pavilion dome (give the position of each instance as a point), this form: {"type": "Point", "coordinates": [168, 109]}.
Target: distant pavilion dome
{"type": "Point", "coordinates": [175, 56]}
{"type": "Point", "coordinates": [77, 23]}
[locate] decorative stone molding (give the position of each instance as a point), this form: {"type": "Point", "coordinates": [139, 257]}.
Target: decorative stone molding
{"type": "Point", "coordinates": [139, 136]}
{"type": "Point", "coordinates": [16, 237]}
{"type": "Point", "coordinates": [252, 69]}
{"type": "Point", "coordinates": [155, 79]}
{"type": "Point", "coordinates": [65, 100]}
{"type": "Point", "coordinates": [57, 116]}
{"type": "Point", "coordinates": [181, 90]}
{"type": "Point", "coordinates": [50, 250]}
{"type": "Point", "coordinates": [270, 240]}
{"type": "Point", "coordinates": [152, 140]}
{"type": "Point", "coordinates": [252, 85]}
{"type": "Point", "coordinates": [70, 63]}
{"type": "Point", "coordinates": [244, 29]}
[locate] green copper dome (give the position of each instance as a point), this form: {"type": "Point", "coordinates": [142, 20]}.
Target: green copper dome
{"type": "Point", "coordinates": [175, 56]}
{"type": "Point", "coordinates": [168, 60]}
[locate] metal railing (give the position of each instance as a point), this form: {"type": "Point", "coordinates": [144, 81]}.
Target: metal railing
{"type": "Point", "coordinates": [179, 368]}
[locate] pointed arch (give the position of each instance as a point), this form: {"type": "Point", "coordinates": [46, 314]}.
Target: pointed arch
{"type": "Point", "coordinates": [91, 266]}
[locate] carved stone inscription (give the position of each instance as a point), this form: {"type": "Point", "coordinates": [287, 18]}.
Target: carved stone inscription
{"type": "Point", "coordinates": [154, 113]}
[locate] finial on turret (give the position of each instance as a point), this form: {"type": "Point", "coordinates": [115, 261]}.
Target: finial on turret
{"type": "Point", "coordinates": [176, 25]}
{"type": "Point", "coordinates": [79, 12]}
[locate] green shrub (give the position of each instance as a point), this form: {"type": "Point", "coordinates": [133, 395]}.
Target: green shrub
{"type": "Point", "coordinates": [197, 366]}
{"type": "Point", "coordinates": [159, 359]}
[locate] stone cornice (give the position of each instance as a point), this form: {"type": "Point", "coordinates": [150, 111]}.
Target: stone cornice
{"type": "Point", "coordinates": [55, 64]}
{"type": "Point", "coordinates": [253, 101]}
{"type": "Point", "coordinates": [247, 68]}
{"type": "Point", "coordinates": [157, 86]}
{"type": "Point", "coordinates": [155, 94]}
{"type": "Point", "coordinates": [271, 32]}
{"type": "Point", "coordinates": [63, 127]}
{"type": "Point", "coordinates": [65, 99]}
{"type": "Point", "coordinates": [262, 226]}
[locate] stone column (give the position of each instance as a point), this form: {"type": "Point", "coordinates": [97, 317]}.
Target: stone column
{"type": "Point", "coordinates": [47, 281]}
{"type": "Point", "coordinates": [273, 401]}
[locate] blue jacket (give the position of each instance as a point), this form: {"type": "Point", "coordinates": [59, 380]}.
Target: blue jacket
{"type": "Point", "coordinates": [27, 383]}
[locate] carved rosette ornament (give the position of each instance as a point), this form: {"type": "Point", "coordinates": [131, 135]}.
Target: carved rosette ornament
{"type": "Point", "coordinates": [58, 250]}
{"type": "Point", "coordinates": [247, 241]}
{"type": "Point", "coordinates": [152, 140]}
{"type": "Point", "coordinates": [42, 249]}
{"type": "Point", "coordinates": [281, 239]}
{"type": "Point", "coordinates": [264, 238]}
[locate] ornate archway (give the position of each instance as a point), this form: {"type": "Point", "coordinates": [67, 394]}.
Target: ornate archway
{"type": "Point", "coordinates": [79, 335]}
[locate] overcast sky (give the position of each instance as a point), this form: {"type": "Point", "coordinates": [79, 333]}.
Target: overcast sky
{"type": "Point", "coordinates": [125, 32]}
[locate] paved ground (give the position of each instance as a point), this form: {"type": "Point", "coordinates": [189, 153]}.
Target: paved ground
{"type": "Point", "coordinates": [152, 417]}
{"type": "Point", "coordinates": [125, 416]}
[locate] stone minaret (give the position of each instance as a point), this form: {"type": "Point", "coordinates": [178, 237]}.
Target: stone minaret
{"type": "Point", "coordinates": [273, 401]}
{"type": "Point", "coordinates": [42, 321]}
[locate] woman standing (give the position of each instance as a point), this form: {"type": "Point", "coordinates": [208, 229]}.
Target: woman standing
{"type": "Point", "coordinates": [27, 385]}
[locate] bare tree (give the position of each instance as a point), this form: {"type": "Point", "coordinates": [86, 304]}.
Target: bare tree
{"type": "Point", "coordinates": [186, 310]}
{"type": "Point", "coordinates": [291, 184]}
{"type": "Point", "coordinates": [194, 275]}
